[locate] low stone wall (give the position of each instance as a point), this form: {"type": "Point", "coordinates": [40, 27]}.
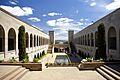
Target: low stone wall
{"type": "Point", "coordinates": [93, 65]}
{"type": "Point", "coordinates": [63, 65]}
{"type": "Point", "coordinates": [30, 66]}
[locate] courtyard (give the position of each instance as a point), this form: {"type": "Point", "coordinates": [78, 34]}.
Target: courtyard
{"type": "Point", "coordinates": [62, 73]}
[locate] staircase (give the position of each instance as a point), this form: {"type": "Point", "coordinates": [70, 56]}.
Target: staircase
{"type": "Point", "coordinates": [15, 74]}
{"type": "Point", "coordinates": [109, 72]}
{"type": "Point", "coordinates": [50, 49]}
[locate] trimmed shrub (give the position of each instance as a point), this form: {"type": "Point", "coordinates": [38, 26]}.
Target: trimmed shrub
{"type": "Point", "coordinates": [35, 60]}
{"type": "Point", "coordinates": [12, 60]}
{"type": "Point", "coordinates": [22, 43]}
{"type": "Point", "coordinates": [101, 43]}
{"type": "Point", "coordinates": [1, 61]}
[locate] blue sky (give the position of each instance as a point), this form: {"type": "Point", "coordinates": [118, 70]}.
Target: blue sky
{"type": "Point", "coordinates": [60, 15]}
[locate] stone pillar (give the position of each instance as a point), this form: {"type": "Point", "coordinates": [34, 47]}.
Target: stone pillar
{"type": "Point", "coordinates": [28, 43]}
{"type": "Point", "coordinates": [51, 37]}
{"type": "Point", "coordinates": [70, 36]}
{"type": "Point", "coordinates": [6, 45]}
{"type": "Point", "coordinates": [16, 51]}
{"type": "Point", "coordinates": [117, 44]}
{"type": "Point", "coordinates": [32, 42]}
{"type": "Point", "coordinates": [106, 41]}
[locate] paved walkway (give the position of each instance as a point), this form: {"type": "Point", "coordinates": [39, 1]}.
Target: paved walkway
{"type": "Point", "coordinates": [62, 73]}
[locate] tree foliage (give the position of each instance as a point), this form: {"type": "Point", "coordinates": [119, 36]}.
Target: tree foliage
{"type": "Point", "coordinates": [101, 53]}
{"type": "Point", "coordinates": [22, 43]}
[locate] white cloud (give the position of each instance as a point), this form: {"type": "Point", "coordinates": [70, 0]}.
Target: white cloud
{"type": "Point", "coordinates": [93, 4]}
{"type": "Point", "coordinates": [114, 5]}
{"type": "Point", "coordinates": [61, 35]}
{"type": "Point", "coordinates": [64, 24]}
{"type": "Point", "coordinates": [51, 22]}
{"type": "Point", "coordinates": [34, 19]}
{"type": "Point", "coordinates": [44, 15]}
{"type": "Point", "coordinates": [54, 14]}
{"type": "Point", "coordinates": [12, 2]}
{"type": "Point", "coordinates": [84, 19]}
{"type": "Point", "coordinates": [18, 11]}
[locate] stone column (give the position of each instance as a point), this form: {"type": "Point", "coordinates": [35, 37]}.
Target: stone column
{"type": "Point", "coordinates": [32, 42]}
{"type": "Point", "coordinates": [16, 51]}
{"type": "Point", "coordinates": [28, 43]}
{"type": "Point", "coordinates": [106, 41]}
{"type": "Point", "coordinates": [6, 45]}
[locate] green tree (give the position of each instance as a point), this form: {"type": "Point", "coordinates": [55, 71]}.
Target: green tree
{"type": "Point", "coordinates": [101, 42]}
{"type": "Point", "coordinates": [22, 43]}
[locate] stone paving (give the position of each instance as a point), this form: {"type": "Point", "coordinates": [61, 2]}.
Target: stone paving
{"type": "Point", "coordinates": [62, 73]}
{"type": "Point", "coordinates": [56, 73]}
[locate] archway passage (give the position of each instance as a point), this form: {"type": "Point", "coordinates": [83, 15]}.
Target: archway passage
{"type": "Point", "coordinates": [31, 40]}
{"type": "Point", "coordinates": [27, 39]}
{"type": "Point", "coordinates": [11, 39]}
{"type": "Point", "coordinates": [34, 40]}
{"type": "Point", "coordinates": [2, 39]}
{"type": "Point", "coordinates": [112, 38]}
{"type": "Point", "coordinates": [92, 40]}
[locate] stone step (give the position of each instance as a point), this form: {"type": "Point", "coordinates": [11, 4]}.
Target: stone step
{"type": "Point", "coordinates": [13, 74]}
{"type": "Point", "coordinates": [108, 77]}
{"type": "Point", "coordinates": [20, 75]}
{"type": "Point", "coordinates": [9, 73]}
{"type": "Point", "coordinates": [114, 71]}
{"type": "Point", "coordinates": [110, 73]}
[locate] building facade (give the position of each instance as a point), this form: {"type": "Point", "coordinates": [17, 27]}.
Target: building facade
{"type": "Point", "coordinates": [36, 40]}
{"type": "Point", "coordinates": [86, 39]}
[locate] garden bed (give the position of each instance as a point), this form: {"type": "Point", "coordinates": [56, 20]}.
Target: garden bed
{"type": "Point", "coordinates": [93, 65]}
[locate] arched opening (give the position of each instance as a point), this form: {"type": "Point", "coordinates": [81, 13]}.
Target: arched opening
{"type": "Point", "coordinates": [11, 39]}
{"type": "Point", "coordinates": [85, 40]}
{"type": "Point", "coordinates": [37, 40]}
{"type": "Point", "coordinates": [112, 38]}
{"type": "Point", "coordinates": [96, 39]}
{"type": "Point", "coordinates": [2, 39]}
{"type": "Point", "coordinates": [88, 40]}
{"type": "Point", "coordinates": [34, 40]}
{"type": "Point", "coordinates": [31, 40]}
{"type": "Point", "coordinates": [92, 40]}
{"type": "Point", "coordinates": [27, 39]}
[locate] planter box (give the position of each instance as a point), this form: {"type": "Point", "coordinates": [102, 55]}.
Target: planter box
{"type": "Point", "coordinates": [93, 65]}
{"type": "Point", "coordinates": [30, 66]}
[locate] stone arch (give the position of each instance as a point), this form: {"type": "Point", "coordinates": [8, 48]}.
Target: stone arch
{"type": "Point", "coordinates": [34, 40]}
{"type": "Point", "coordinates": [27, 39]}
{"type": "Point", "coordinates": [11, 39]}
{"type": "Point", "coordinates": [2, 39]}
{"type": "Point", "coordinates": [85, 40]}
{"type": "Point", "coordinates": [37, 41]}
{"type": "Point", "coordinates": [92, 40]}
{"type": "Point", "coordinates": [31, 40]}
{"type": "Point", "coordinates": [112, 43]}
{"type": "Point", "coordinates": [88, 40]}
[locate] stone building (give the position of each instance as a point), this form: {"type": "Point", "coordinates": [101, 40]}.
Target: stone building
{"type": "Point", "coordinates": [86, 39]}
{"type": "Point", "coordinates": [36, 40]}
